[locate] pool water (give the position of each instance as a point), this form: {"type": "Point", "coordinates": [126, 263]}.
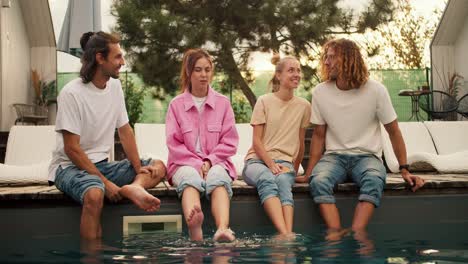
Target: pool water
{"type": "Point", "coordinates": [382, 244]}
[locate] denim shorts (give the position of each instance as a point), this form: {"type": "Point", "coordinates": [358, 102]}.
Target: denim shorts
{"type": "Point", "coordinates": [256, 173]}
{"type": "Point", "coordinates": [75, 182]}
{"type": "Point", "coordinates": [366, 170]}
{"type": "Point", "coordinates": [186, 176]}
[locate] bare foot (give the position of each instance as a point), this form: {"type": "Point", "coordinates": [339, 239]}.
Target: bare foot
{"type": "Point", "coordinates": [224, 235]}
{"type": "Point", "coordinates": [366, 245]}
{"type": "Point", "coordinates": [140, 197]}
{"type": "Point", "coordinates": [336, 234]}
{"type": "Point", "coordinates": [194, 223]}
{"type": "Point", "coordinates": [289, 237]}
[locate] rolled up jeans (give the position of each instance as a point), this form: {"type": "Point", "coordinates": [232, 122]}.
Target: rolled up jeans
{"type": "Point", "coordinates": [256, 173]}
{"type": "Point", "coordinates": [187, 176]}
{"type": "Point", "coordinates": [366, 170]}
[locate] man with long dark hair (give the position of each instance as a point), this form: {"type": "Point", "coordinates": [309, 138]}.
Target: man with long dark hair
{"type": "Point", "coordinates": [348, 109]}
{"type": "Point", "coordinates": [90, 108]}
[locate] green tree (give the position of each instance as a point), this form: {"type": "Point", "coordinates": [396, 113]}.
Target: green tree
{"type": "Point", "coordinates": [403, 43]}
{"type": "Point", "coordinates": [133, 99]}
{"type": "Point", "coordinates": [156, 33]}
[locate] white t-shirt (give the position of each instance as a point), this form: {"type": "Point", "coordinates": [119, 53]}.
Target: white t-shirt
{"type": "Point", "coordinates": [352, 117]}
{"type": "Point", "coordinates": [91, 113]}
{"type": "Point", "coordinates": [198, 101]}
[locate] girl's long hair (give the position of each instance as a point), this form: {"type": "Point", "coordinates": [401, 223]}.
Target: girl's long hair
{"type": "Point", "coordinates": [191, 57]}
{"type": "Point", "coordinates": [93, 43]}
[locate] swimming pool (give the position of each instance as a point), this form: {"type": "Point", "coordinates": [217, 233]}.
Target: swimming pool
{"type": "Point", "coordinates": [392, 244]}
{"type": "Point", "coordinates": [407, 229]}
{"type": "Point", "coordinates": [40, 224]}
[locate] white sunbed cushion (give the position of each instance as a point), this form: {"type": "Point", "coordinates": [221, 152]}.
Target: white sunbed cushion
{"type": "Point", "coordinates": [238, 161]}
{"type": "Point", "coordinates": [151, 141]}
{"type": "Point", "coordinates": [245, 132]}
{"type": "Point", "coordinates": [30, 145]}
{"type": "Point", "coordinates": [28, 154]}
{"type": "Point", "coordinates": [419, 145]}
{"type": "Point", "coordinates": [34, 173]}
{"type": "Point", "coordinates": [449, 163]}
{"type": "Point", "coordinates": [449, 136]}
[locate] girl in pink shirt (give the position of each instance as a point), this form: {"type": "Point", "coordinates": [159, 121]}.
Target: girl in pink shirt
{"type": "Point", "coordinates": [201, 137]}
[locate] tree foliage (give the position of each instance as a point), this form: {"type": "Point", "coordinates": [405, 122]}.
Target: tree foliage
{"type": "Point", "coordinates": [133, 99]}
{"type": "Point", "coordinates": [156, 33]}
{"type": "Point", "coordinates": [404, 41]}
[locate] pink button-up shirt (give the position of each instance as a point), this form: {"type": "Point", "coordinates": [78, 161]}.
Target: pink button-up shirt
{"type": "Point", "coordinates": [215, 126]}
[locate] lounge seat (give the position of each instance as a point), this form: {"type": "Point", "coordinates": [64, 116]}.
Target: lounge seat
{"type": "Point", "coordinates": [245, 132]}
{"type": "Point", "coordinates": [151, 142]}
{"type": "Point", "coordinates": [28, 154]}
{"type": "Point", "coordinates": [451, 142]}
{"type": "Point", "coordinates": [419, 146]}
{"type": "Point", "coordinates": [431, 146]}
{"type": "Point", "coordinates": [449, 137]}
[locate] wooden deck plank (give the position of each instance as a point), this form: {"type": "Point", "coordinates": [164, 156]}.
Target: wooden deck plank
{"type": "Point", "coordinates": [395, 183]}
{"type": "Point", "coordinates": [23, 189]}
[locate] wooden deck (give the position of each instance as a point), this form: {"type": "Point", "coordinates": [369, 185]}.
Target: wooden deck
{"type": "Point", "coordinates": [435, 184]}
{"type": "Point", "coordinates": [44, 211]}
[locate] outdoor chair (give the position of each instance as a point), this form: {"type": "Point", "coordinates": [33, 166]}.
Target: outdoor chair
{"type": "Point", "coordinates": [28, 113]}
{"type": "Point", "coordinates": [431, 145]}
{"type": "Point", "coordinates": [438, 104]}
{"type": "Point", "coordinates": [463, 106]}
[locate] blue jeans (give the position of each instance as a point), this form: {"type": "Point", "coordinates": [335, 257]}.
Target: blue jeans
{"type": "Point", "coordinates": [366, 170]}
{"type": "Point", "coordinates": [256, 173]}
{"type": "Point", "coordinates": [75, 182]}
{"type": "Point", "coordinates": [217, 176]}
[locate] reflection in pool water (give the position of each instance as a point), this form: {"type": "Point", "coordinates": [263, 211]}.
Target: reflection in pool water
{"type": "Point", "coordinates": [250, 247]}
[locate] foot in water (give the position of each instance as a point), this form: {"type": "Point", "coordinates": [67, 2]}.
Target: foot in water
{"type": "Point", "coordinates": [290, 237]}
{"type": "Point", "coordinates": [140, 197]}
{"type": "Point", "coordinates": [224, 235]}
{"type": "Point", "coordinates": [194, 223]}
{"type": "Point", "coordinates": [336, 234]}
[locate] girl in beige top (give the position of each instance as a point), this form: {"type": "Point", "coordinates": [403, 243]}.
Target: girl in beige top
{"type": "Point", "coordinates": [279, 120]}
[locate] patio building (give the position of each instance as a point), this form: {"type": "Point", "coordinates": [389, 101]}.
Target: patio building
{"type": "Point", "coordinates": [27, 42]}
{"type": "Point", "coordinates": [449, 47]}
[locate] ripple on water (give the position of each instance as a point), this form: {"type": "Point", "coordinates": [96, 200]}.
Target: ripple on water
{"type": "Point", "coordinates": [249, 247]}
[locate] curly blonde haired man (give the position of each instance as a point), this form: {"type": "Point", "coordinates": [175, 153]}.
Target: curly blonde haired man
{"type": "Point", "coordinates": [347, 109]}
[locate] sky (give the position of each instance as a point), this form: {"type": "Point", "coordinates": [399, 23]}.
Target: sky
{"type": "Point", "coordinates": [260, 61]}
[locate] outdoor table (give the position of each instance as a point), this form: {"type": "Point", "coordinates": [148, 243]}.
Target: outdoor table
{"type": "Point", "coordinates": [414, 94]}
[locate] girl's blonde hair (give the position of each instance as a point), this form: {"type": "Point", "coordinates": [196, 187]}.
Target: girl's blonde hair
{"type": "Point", "coordinates": [279, 62]}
